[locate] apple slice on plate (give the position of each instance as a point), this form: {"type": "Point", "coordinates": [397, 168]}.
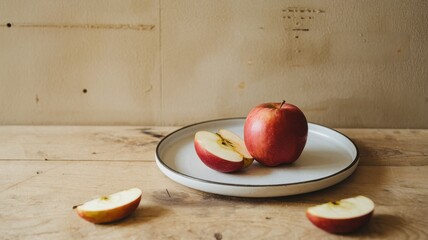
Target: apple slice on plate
{"type": "Point", "coordinates": [344, 216]}
{"type": "Point", "coordinates": [110, 208]}
{"type": "Point", "coordinates": [222, 151]}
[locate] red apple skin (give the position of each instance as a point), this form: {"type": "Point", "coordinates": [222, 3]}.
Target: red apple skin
{"type": "Point", "coordinates": [339, 225]}
{"type": "Point", "coordinates": [275, 133]}
{"type": "Point", "coordinates": [216, 163]}
{"type": "Point", "coordinates": [110, 215]}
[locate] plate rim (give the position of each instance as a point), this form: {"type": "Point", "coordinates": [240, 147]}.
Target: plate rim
{"type": "Point", "coordinates": [160, 161]}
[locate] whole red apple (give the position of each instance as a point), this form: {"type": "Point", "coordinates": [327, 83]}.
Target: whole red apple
{"type": "Point", "coordinates": [275, 133]}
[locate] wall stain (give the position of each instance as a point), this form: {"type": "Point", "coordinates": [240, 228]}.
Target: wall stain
{"type": "Point", "coordinates": [300, 29]}
{"type": "Point", "coordinates": [300, 18]}
{"type": "Point", "coordinates": [303, 48]}
{"type": "Point", "coordinates": [136, 27]}
{"type": "Point", "coordinates": [149, 89]}
{"type": "Point", "coordinates": [303, 10]}
{"type": "Point", "coordinates": [241, 85]}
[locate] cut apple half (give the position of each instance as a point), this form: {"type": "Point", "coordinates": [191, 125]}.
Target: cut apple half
{"type": "Point", "coordinates": [344, 216]}
{"type": "Point", "coordinates": [223, 151]}
{"type": "Point", "coordinates": [110, 208]}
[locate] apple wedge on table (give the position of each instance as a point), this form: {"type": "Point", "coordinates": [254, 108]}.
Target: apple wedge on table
{"type": "Point", "coordinates": [223, 151]}
{"type": "Point", "coordinates": [110, 208]}
{"type": "Point", "coordinates": [344, 216]}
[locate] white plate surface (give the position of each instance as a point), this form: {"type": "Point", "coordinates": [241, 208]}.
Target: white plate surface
{"type": "Point", "coordinates": [328, 158]}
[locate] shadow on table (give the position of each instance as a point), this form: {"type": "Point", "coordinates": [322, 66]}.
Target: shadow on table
{"type": "Point", "coordinates": [142, 214]}
{"type": "Point", "coordinates": [383, 226]}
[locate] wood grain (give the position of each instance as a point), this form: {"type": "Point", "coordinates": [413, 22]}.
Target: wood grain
{"type": "Point", "coordinates": [36, 196]}
{"type": "Point", "coordinates": [57, 143]}
{"type": "Point", "coordinates": [390, 147]}
{"type": "Point", "coordinates": [37, 200]}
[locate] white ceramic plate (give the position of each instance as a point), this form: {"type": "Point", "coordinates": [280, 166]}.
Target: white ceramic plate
{"type": "Point", "coordinates": [328, 158]}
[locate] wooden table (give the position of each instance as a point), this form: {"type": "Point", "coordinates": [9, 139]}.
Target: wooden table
{"type": "Point", "coordinates": [45, 170]}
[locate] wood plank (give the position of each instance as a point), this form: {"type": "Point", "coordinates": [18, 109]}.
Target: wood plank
{"type": "Point", "coordinates": [132, 143]}
{"type": "Point", "coordinates": [391, 147]}
{"type": "Point", "coordinates": [387, 147]}
{"type": "Point", "coordinates": [36, 199]}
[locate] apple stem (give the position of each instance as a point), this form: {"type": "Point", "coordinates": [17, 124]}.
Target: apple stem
{"type": "Point", "coordinates": [283, 102]}
{"type": "Point", "coordinates": [74, 207]}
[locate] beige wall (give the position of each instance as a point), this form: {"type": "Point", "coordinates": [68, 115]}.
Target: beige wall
{"type": "Point", "coordinates": [345, 63]}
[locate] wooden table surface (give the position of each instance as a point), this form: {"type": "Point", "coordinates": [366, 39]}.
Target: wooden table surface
{"type": "Point", "coordinates": [45, 170]}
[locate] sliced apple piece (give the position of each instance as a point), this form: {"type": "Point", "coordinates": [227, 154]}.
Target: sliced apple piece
{"type": "Point", "coordinates": [110, 208]}
{"type": "Point", "coordinates": [344, 216]}
{"type": "Point", "coordinates": [223, 151]}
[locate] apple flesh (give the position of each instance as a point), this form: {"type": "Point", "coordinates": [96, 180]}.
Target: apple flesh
{"type": "Point", "coordinates": [275, 133]}
{"type": "Point", "coordinates": [344, 216]}
{"type": "Point", "coordinates": [222, 151]}
{"type": "Point", "coordinates": [110, 208]}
